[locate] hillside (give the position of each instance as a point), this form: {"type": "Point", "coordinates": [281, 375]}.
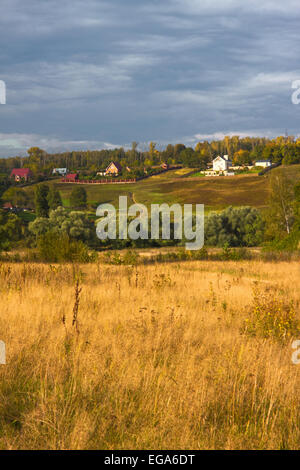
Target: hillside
{"type": "Point", "coordinates": [215, 193]}
{"type": "Point", "coordinates": [174, 187]}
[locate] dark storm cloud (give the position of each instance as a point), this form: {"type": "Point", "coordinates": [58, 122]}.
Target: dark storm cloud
{"type": "Point", "coordinates": [90, 74]}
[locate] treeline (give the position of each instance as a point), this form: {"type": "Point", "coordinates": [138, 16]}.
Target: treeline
{"type": "Point", "coordinates": [241, 150]}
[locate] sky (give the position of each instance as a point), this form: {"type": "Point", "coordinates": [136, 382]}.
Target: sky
{"type": "Point", "coordinates": [94, 74]}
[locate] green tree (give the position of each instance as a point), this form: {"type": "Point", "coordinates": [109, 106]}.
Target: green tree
{"type": "Point", "coordinates": [169, 152]}
{"type": "Point", "coordinates": [54, 198]}
{"type": "Point", "coordinates": [36, 160]}
{"type": "Point", "coordinates": [280, 214]}
{"type": "Point", "coordinates": [234, 227]}
{"type": "Point", "coordinates": [76, 224]}
{"type": "Point", "coordinates": [242, 157]}
{"type": "Point", "coordinates": [10, 229]}
{"type": "Point", "coordinates": [133, 152]}
{"type": "Point", "coordinates": [41, 200]}
{"type": "Point", "coordinates": [190, 158]}
{"type": "Point", "coordinates": [78, 197]}
{"type": "Point", "coordinates": [178, 150]}
{"type": "Point", "coordinates": [17, 196]}
{"type": "Point", "coordinates": [152, 148]}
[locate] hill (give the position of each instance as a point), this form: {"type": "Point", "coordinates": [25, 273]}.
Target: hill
{"type": "Point", "coordinates": [215, 193]}
{"type": "Point", "coordinates": [175, 187]}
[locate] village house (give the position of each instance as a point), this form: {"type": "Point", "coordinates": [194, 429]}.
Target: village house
{"type": "Point", "coordinates": [60, 171]}
{"type": "Point", "coordinates": [101, 172]}
{"type": "Point", "coordinates": [72, 177]}
{"type": "Point", "coordinates": [20, 174]}
{"type": "Point", "coordinates": [220, 166]}
{"type": "Point", "coordinates": [221, 163]}
{"type": "Point", "coordinates": [263, 163]}
{"type": "Point", "coordinates": [7, 206]}
{"type": "Point", "coordinates": [113, 169]}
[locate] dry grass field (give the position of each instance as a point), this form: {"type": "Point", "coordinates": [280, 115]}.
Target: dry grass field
{"type": "Point", "coordinates": [150, 357]}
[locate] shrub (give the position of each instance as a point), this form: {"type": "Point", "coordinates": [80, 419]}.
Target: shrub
{"type": "Point", "coordinates": [54, 247]}
{"type": "Point", "coordinates": [288, 243]}
{"type": "Point", "coordinates": [10, 229]}
{"type": "Point", "coordinates": [271, 317]}
{"type": "Point", "coordinates": [235, 227]}
{"type": "Point", "coordinates": [236, 254]}
{"type": "Point", "coordinates": [130, 258]}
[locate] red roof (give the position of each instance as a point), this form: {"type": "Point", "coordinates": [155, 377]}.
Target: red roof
{"type": "Point", "coordinates": [21, 172]}
{"type": "Point", "coordinates": [8, 205]}
{"type": "Point", "coordinates": [72, 175]}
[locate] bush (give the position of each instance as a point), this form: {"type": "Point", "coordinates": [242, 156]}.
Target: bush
{"type": "Point", "coordinates": [235, 227]}
{"type": "Point", "coordinates": [236, 254]}
{"type": "Point", "coordinates": [55, 248]}
{"type": "Point", "coordinates": [271, 317]}
{"type": "Point", "coordinates": [288, 243]}
{"type": "Point", "coordinates": [75, 224]}
{"type": "Point", "coordinates": [130, 258]}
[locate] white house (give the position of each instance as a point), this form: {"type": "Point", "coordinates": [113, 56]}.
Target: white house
{"type": "Point", "coordinates": [221, 163]}
{"type": "Point", "coordinates": [263, 163]}
{"type": "Point", "coordinates": [60, 171]}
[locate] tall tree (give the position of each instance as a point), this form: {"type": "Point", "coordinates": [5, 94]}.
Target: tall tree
{"type": "Point", "coordinates": [280, 215]}
{"type": "Point", "coordinates": [78, 197]}
{"type": "Point", "coordinates": [54, 198]}
{"type": "Point", "coordinates": [133, 152]}
{"type": "Point", "coordinates": [242, 157]}
{"type": "Point", "coordinates": [41, 200]}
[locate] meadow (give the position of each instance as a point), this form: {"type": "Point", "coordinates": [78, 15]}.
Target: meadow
{"type": "Point", "coordinates": [174, 187]}
{"type": "Point", "coordinates": [187, 355]}
{"type": "Point", "coordinates": [183, 187]}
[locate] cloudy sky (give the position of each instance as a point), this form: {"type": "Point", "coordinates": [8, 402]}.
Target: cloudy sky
{"type": "Point", "coordinates": [94, 74]}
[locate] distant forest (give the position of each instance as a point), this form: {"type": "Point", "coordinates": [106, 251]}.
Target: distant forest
{"type": "Point", "coordinates": [242, 151]}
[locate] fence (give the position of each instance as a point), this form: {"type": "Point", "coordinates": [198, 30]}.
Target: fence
{"type": "Point", "coordinates": [123, 181]}
{"type": "Point", "coordinates": [133, 180]}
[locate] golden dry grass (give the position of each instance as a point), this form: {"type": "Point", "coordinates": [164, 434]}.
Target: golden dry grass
{"type": "Point", "coordinates": [159, 360]}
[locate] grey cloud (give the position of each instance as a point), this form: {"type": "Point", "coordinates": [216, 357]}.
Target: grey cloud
{"type": "Point", "coordinates": [16, 144]}
{"type": "Point", "coordinates": [86, 73]}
